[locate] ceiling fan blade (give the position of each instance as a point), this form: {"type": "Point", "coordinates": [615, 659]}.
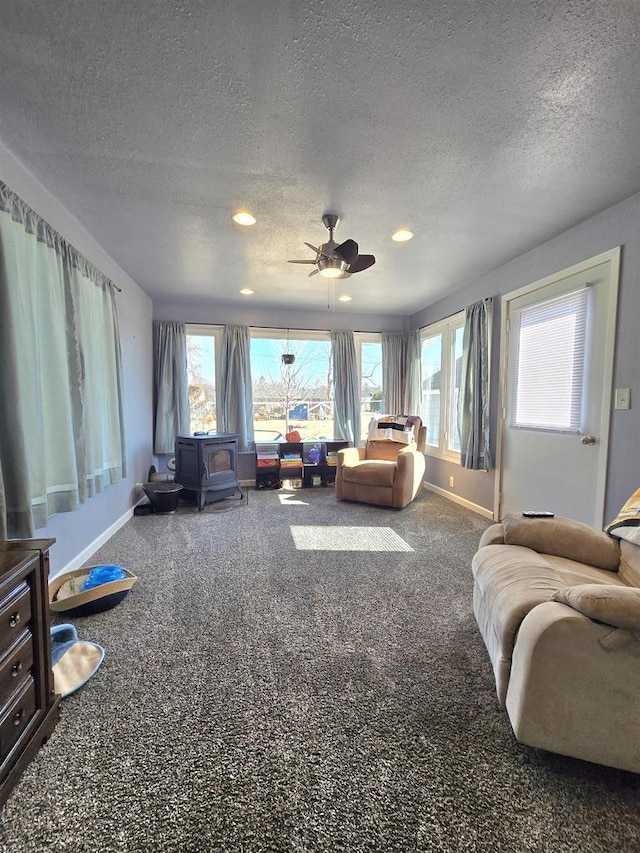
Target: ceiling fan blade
{"type": "Point", "coordinates": [301, 262]}
{"type": "Point", "coordinates": [315, 249]}
{"type": "Point", "coordinates": [348, 251]}
{"type": "Point", "coordinates": [313, 272]}
{"type": "Point", "coordinates": [362, 262]}
{"type": "Point", "coordinates": [323, 254]}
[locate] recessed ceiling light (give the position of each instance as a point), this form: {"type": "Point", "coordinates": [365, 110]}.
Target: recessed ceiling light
{"type": "Point", "coordinates": [344, 298]}
{"type": "Point", "coordinates": [243, 217]}
{"type": "Point", "coordinates": [246, 291]}
{"type": "Point", "coordinates": [402, 235]}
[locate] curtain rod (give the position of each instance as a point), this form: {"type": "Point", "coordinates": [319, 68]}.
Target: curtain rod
{"type": "Point", "coordinates": [12, 201]}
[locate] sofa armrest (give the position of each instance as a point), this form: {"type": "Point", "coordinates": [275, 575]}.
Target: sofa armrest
{"type": "Point", "coordinates": [493, 535]}
{"type": "Point", "coordinates": [569, 694]}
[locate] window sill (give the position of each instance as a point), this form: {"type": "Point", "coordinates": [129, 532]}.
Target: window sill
{"type": "Point", "coordinates": [451, 456]}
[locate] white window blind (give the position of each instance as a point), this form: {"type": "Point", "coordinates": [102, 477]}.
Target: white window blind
{"type": "Point", "coordinates": [547, 358]}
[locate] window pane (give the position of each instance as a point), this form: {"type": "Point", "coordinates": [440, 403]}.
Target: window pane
{"type": "Point", "coordinates": [547, 363]}
{"type": "Point", "coordinates": [201, 373]}
{"type": "Point", "coordinates": [371, 383]}
{"type": "Point", "coordinates": [431, 381]}
{"type": "Point", "coordinates": [454, 381]}
{"type": "Point", "coordinates": [291, 396]}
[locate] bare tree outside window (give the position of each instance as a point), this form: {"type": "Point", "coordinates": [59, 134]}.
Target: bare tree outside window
{"type": "Point", "coordinates": [293, 396]}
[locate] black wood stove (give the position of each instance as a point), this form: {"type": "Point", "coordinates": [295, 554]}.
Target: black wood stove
{"type": "Point", "coordinates": [206, 466]}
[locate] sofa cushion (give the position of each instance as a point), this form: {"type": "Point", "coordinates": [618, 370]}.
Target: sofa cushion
{"type": "Point", "coordinates": [512, 580]}
{"type": "Point", "coordinates": [377, 472]}
{"type": "Point", "coordinates": [509, 582]}
{"type": "Point", "coordinates": [572, 573]}
{"type": "Point", "coordinates": [564, 538]}
{"type": "Point", "coordinates": [613, 604]}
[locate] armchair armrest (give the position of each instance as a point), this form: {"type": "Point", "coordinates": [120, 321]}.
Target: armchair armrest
{"type": "Point", "coordinates": [350, 456]}
{"type": "Point", "coordinates": [410, 468]}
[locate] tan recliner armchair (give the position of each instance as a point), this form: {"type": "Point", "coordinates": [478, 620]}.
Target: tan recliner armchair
{"type": "Point", "coordinates": [386, 473]}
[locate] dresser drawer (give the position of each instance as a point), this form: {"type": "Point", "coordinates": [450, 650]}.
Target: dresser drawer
{"type": "Point", "coordinates": [15, 666]}
{"type": "Point", "coordinates": [16, 716]}
{"type": "Point", "coordinates": [15, 613]}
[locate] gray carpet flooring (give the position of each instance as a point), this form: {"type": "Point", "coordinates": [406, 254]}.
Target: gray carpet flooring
{"type": "Point", "coordinates": [259, 697]}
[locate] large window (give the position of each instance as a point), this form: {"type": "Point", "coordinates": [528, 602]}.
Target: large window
{"type": "Point", "coordinates": [441, 362]}
{"type": "Point", "coordinates": [292, 393]}
{"type": "Point", "coordinates": [202, 343]}
{"type": "Point", "coordinates": [286, 396]}
{"type": "Point", "coordinates": [369, 350]}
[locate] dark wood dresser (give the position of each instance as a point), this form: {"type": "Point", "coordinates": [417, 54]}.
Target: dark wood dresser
{"type": "Point", "coordinates": [29, 708]}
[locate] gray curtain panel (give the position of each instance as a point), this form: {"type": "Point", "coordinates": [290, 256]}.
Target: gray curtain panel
{"type": "Point", "coordinates": [473, 399]}
{"type": "Point", "coordinates": [413, 386]}
{"type": "Point", "coordinates": [236, 392]}
{"type": "Point", "coordinates": [61, 425]}
{"type": "Point", "coordinates": [16, 520]}
{"type": "Point", "coordinates": [401, 372]}
{"type": "Point", "coordinates": [171, 385]}
{"type": "Point", "coordinates": [393, 372]}
{"type": "Point", "coordinates": [346, 389]}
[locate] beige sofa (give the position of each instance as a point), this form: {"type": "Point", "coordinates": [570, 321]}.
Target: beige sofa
{"type": "Point", "coordinates": [558, 607]}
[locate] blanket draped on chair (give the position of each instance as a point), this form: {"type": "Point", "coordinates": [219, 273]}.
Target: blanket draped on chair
{"type": "Point", "coordinates": [400, 428]}
{"type": "Point", "coordinates": [625, 525]}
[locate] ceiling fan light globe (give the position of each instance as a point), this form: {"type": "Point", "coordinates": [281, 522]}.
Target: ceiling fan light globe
{"type": "Point", "coordinates": [331, 267]}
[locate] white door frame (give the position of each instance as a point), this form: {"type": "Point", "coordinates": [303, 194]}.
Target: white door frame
{"type": "Point", "coordinates": [612, 257]}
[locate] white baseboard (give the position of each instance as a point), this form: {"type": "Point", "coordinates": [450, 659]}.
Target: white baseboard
{"type": "Point", "coordinates": [84, 555]}
{"type": "Point", "coordinates": [487, 513]}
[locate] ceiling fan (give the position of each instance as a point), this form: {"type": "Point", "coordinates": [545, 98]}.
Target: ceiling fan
{"type": "Point", "coordinates": [335, 260]}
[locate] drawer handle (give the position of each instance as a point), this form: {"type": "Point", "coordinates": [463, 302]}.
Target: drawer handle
{"type": "Point", "coordinates": [17, 718]}
{"type": "Point", "coordinates": [14, 619]}
{"type": "Point", "coordinates": [16, 668]}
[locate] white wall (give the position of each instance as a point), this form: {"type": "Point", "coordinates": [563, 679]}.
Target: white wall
{"type": "Point", "coordinates": [617, 226]}
{"type": "Point", "coordinates": [77, 533]}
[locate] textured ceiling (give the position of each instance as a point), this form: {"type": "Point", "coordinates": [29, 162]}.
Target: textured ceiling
{"type": "Point", "coordinates": [486, 127]}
